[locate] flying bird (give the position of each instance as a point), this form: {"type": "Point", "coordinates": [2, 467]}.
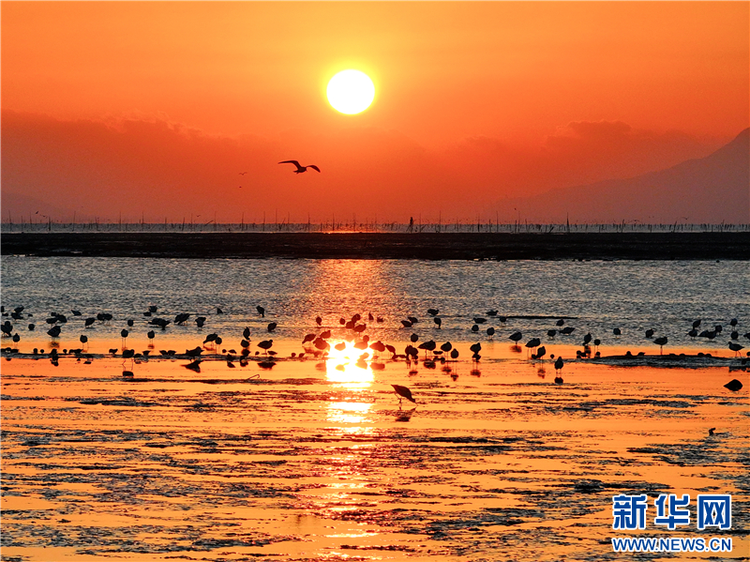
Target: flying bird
{"type": "Point", "coordinates": [300, 169]}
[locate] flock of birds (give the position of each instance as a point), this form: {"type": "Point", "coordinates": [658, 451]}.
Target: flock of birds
{"type": "Point", "coordinates": [320, 343]}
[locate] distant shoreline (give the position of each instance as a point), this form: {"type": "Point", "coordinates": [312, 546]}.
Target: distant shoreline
{"type": "Point", "coordinates": [422, 246]}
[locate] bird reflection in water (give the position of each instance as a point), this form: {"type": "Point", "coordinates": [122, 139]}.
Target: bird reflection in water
{"type": "Point", "coordinates": [405, 415]}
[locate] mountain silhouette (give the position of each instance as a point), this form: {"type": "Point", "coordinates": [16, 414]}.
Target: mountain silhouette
{"type": "Point", "coordinates": [710, 190]}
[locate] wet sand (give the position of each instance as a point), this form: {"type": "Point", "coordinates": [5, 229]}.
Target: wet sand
{"type": "Point", "coordinates": [428, 246]}
{"type": "Point", "coordinates": [316, 460]}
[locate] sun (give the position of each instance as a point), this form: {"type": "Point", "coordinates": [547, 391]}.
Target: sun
{"type": "Point", "coordinates": [350, 91]}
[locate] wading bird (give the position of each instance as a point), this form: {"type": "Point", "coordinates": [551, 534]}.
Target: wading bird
{"type": "Point", "coordinates": [661, 342]}
{"type": "Point", "coordinates": [533, 343]}
{"type": "Point", "coordinates": [427, 346]}
{"type": "Point", "coordinates": [404, 392]}
{"type": "Point", "coordinates": [307, 338]}
{"type": "Point", "coordinates": [559, 364]}
{"type": "Point", "coordinates": [300, 169]}
{"type": "Point", "coordinates": [265, 345]}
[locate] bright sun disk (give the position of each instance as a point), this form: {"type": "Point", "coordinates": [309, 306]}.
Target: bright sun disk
{"type": "Point", "coordinates": [350, 91]}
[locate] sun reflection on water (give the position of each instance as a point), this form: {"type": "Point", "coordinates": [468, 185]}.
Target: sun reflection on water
{"type": "Point", "coordinates": [349, 413]}
{"type": "Point", "coordinates": [349, 369]}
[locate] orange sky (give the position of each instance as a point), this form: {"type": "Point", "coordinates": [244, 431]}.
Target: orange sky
{"type": "Point", "coordinates": [155, 108]}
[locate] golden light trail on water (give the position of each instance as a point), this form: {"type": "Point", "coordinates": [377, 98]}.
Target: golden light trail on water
{"type": "Point", "coordinates": [350, 370]}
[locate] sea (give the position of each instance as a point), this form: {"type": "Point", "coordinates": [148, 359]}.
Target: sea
{"type": "Point", "coordinates": [291, 453]}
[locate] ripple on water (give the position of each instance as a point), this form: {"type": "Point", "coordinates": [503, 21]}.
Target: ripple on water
{"type": "Point", "coordinates": [174, 467]}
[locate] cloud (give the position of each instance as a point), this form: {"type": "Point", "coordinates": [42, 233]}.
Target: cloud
{"type": "Point", "coordinates": [152, 167]}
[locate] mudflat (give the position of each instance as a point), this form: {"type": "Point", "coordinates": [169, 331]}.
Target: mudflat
{"type": "Point", "coordinates": [427, 246]}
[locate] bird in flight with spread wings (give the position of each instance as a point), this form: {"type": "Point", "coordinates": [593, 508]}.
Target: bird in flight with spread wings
{"type": "Point", "coordinates": [300, 169]}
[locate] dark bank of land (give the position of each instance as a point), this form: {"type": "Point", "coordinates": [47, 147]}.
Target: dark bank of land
{"type": "Point", "coordinates": [427, 246]}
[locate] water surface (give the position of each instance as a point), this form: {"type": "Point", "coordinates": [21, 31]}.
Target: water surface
{"type": "Point", "coordinates": [315, 458]}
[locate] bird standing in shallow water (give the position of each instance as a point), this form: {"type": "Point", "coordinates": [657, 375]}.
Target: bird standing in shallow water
{"type": "Point", "coordinates": [559, 364]}
{"type": "Point", "coordinates": [404, 392]}
{"type": "Point", "coordinates": [300, 169]}
{"type": "Point", "coordinates": [661, 342]}
{"type": "Point", "coordinates": [265, 345]}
